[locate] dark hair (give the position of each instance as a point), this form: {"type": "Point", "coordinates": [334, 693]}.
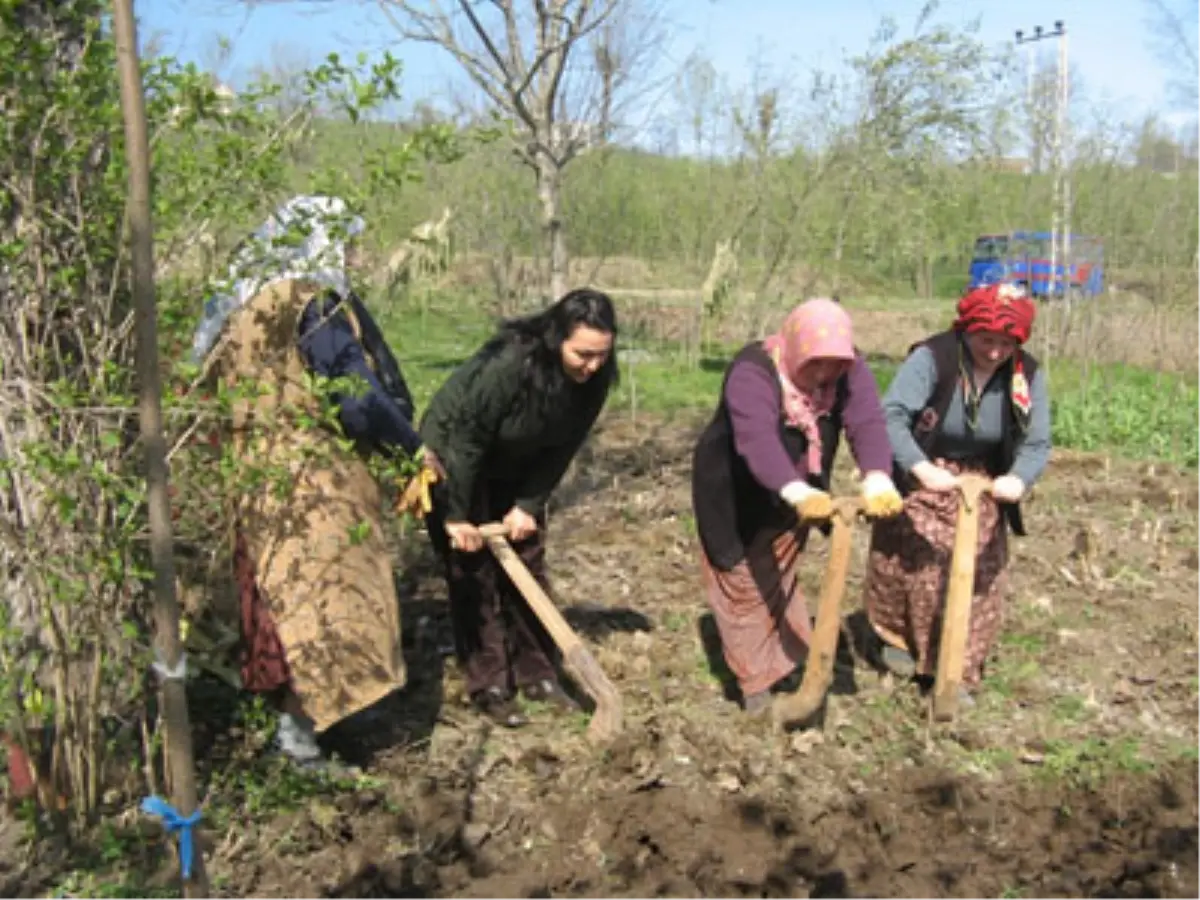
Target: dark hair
{"type": "Point", "coordinates": [540, 337]}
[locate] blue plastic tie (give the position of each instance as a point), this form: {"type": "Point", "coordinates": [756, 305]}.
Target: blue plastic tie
{"type": "Point", "coordinates": [173, 821]}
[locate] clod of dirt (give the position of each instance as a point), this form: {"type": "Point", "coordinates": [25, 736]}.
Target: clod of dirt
{"type": "Point", "coordinates": [804, 742]}
{"type": "Point", "coordinates": [323, 815]}
{"type": "Point", "coordinates": [541, 763]}
{"type": "Point", "coordinates": [1043, 602]}
{"type": "Point", "coordinates": [475, 833]}
{"type": "Point", "coordinates": [642, 642]}
{"type": "Point", "coordinates": [728, 782]}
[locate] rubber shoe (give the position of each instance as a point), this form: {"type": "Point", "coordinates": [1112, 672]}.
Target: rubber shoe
{"type": "Point", "coordinates": [499, 706]}
{"type": "Point", "coordinates": [297, 739]}
{"type": "Point", "coordinates": [899, 662]}
{"type": "Point", "coordinates": [757, 704]}
{"type": "Point", "coordinates": [550, 692]}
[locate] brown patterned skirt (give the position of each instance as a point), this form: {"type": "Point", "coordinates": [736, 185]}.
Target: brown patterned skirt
{"type": "Point", "coordinates": [760, 611]}
{"type": "Point", "coordinates": [264, 659]}
{"type": "Point", "coordinates": [21, 781]}
{"type": "Point", "coordinates": [908, 572]}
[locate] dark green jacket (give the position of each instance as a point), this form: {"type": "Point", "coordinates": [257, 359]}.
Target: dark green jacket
{"type": "Point", "coordinates": [481, 427]}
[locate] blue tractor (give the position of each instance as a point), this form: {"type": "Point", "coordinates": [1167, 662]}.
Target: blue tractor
{"type": "Point", "coordinates": [1023, 257]}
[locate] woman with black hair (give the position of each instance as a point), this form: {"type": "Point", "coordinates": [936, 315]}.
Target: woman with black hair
{"type": "Point", "coordinates": [505, 426]}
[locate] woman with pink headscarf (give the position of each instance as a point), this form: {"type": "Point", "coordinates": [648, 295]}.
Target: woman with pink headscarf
{"type": "Point", "coordinates": [761, 476]}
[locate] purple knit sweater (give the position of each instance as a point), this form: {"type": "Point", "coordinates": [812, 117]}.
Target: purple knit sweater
{"type": "Point", "coordinates": [753, 404]}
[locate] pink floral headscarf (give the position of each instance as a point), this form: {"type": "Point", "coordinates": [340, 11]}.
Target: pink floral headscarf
{"type": "Point", "coordinates": [816, 329]}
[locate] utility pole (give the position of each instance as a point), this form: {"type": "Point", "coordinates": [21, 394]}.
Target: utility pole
{"type": "Point", "coordinates": [1060, 228]}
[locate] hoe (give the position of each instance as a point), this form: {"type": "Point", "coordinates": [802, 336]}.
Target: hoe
{"type": "Point", "coordinates": [956, 619]}
{"type": "Point", "coordinates": [607, 719]}
{"type": "Point", "coordinates": [800, 710]}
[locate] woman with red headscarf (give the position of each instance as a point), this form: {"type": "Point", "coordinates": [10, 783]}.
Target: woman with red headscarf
{"type": "Point", "coordinates": [760, 475]}
{"type": "Point", "coordinates": [967, 399]}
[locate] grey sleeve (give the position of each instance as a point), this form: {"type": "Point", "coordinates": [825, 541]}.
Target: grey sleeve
{"type": "Point", "coordinates": [907, 395]}
{"type": "Point", "coordinates": [1033, 449]}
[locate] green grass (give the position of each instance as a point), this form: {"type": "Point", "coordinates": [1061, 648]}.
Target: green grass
{"type": "Point", "coordinates": [1120, 409]}
{"type": "Point", "coordinates": [1090, 761]}
{"type": "Point", "coordinates": [1131, 411]}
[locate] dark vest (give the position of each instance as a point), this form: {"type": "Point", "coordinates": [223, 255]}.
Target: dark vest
{"type": "Point", "coordinates": [731, 507]}
{"type": "Point", "coordinates": [927, 427]}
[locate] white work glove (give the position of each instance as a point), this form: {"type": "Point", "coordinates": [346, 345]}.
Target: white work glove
{"type": "Point", "coordinates": [809, 502]}
{"type": "Point", "coordinates": [880, 497]}
{"type": "Point", "coordinates": [1008, 489]}
{"type": "Point", "coordinates": [934, 478]}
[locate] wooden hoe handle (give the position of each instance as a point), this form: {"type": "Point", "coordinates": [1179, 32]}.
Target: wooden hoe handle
{"type": "Point", "coordinates": [800, 708]}
{"type": "Point", "coordinates": [607, 720]}
{"type": "Point", "coordinates": [956, 617]}
{"type": "Point", "coordinates": [564, 636]}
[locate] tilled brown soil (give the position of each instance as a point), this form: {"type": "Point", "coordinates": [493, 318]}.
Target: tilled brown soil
{"type": "Point", "coordinates": [1074, 776]}
{"type": "Point", "coordinates": [933, 835]}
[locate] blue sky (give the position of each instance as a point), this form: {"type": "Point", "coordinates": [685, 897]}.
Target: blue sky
{"type": "Point", "coordinates": [1110, 40]}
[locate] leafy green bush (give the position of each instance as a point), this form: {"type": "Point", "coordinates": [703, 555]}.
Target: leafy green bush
{"type": "Point", "coordinates": [73, 643]}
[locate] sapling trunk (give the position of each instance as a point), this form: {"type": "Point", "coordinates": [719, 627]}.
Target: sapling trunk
{"type": "Point", "coordinates": [180, 763]}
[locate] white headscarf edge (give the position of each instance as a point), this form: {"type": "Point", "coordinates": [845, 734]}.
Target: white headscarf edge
{"type": "Point", "coordinates": [316, 228]}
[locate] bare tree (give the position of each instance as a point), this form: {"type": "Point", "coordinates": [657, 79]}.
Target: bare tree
{"type": "Point", "coordinates": [1174, 31]}
{"type": "Point", "coordinates": [286, 66]}
{"type": "Point", "coordinates": [560, 71]}
{"type": "Point", "coordinates": [697, 96]}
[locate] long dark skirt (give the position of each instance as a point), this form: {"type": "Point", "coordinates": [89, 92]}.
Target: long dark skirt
{"type": "Point", "coordinates": [499, 641]}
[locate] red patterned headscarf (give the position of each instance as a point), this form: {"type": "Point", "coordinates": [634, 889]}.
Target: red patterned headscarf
{"type": "Point", "coordinates": [1002, 309]}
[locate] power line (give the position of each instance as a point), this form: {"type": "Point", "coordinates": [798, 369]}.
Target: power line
{"type": "Point", "coordinates": [1061, 202]}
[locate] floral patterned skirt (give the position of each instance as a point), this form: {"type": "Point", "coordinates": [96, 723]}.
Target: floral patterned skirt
{"type": "Point", "coordinates": [908, 572]}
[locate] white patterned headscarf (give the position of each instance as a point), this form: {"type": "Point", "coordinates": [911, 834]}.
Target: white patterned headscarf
{"type": "Point", "coordinates": [305, 238]}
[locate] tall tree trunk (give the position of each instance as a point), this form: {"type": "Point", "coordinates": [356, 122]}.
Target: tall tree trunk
{"type": "Point", "coordinates": [549, 186]}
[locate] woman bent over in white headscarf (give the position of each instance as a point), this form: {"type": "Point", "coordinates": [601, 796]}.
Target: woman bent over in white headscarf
{"type": "Point", "coordinates": [319, 615]}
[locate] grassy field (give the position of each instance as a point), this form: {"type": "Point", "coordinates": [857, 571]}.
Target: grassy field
{"type": "Point", "coordinates": [1127, 409]}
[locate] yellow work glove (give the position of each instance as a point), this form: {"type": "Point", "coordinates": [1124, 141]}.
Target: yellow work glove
{"type": "Point", "coordinates": [415, 496]}
{"type": "Point", "coordinates": [881, 500]}
{"type": "Point", "coordinates": [811, 504]}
